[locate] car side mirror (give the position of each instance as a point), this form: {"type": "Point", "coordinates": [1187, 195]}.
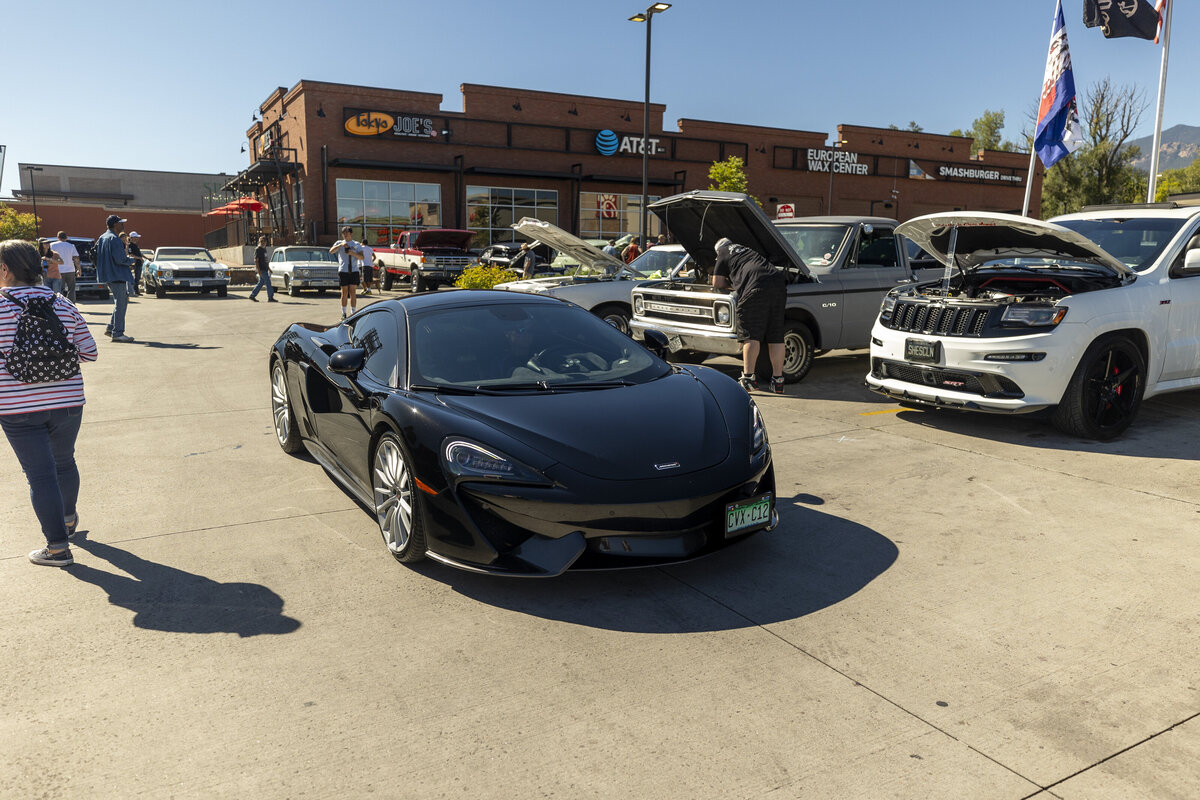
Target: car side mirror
{"type": "Point", "coordinates": [656, 342]}
{"type": "Point", "coordinates": [348, 361]}
{"type": "Point", "coordinates": [1190, 266]}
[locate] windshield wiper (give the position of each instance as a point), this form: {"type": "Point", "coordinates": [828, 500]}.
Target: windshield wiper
{"type": "Point", "coordinates": [530, 386]}
{"type": "Point", "coordinates": [592, 385]}
{"type": "Point", "coordinates": [442, 388]}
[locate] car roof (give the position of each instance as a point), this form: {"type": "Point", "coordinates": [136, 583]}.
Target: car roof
{"type": "Point", "coordinates": [1150, 210]}
{"type": "Point", "coordinates": [458, 298]}
{"type": "Point", "coordinates": [836, 220]}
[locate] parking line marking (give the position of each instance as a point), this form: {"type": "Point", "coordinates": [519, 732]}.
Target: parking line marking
{"type": "Point", "coordinates": [885, 411]}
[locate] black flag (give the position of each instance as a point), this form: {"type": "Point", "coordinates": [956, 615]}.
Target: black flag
{"type": "Point", "coordinates": [1118, 18]}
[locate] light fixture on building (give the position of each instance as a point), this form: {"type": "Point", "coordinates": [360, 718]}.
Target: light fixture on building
{"type": "Point", "coordinates": [253, 117]}
{"type": "Point", "coordinates": [517, 105]}
{"type": "Point", "coordinates": [573, 111]}
{"type": "Point", "coordinates": [762, 148]}
{"type": "Point", "coordinates": [625, 116]}
{"type": "Point", "coordinates": [243, 148]}
{"type": "Point", "coordinates": [321, 111]}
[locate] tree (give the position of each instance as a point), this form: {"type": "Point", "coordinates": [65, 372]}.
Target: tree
{"type": "Point", "coordinates": [1178, 181]}
{"type": "Point", "coordinates": [1101, 171]}
{"type": "Point", "coordinates": [985, 131]}
{"type": "Point", "coordinates": [912, 126]}
{"type": "Point", "coordinates": [729, 176]}
{"type": "Point", "coordinates": [14, 225]}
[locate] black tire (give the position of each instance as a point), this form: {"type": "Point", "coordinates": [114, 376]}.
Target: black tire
{"type": "Point", "coordinates": [687, 357]}
{"type": "Point", "coordinates": [146, 289]}
{"type": "Point", "coordinates": [321, 291]}
{"type": "Point", "coordinates": [287, 431]}
{"type": "Point", "coordinates": [291, 287]}
{"type": "Point", "coordinates": [615, 314]}
{"type": "Point", "coordinates": [1105, 392]}
{"type": "Point", "coordinates": [222, 291]}
{"type": "Point", "coordinates": [160, 291]}
{"type": "Point", "coordinates": [393, 486]}
{"type": "Point", "coordinates": [420, 284]}
{"type": "Point", "coordinates": [798, 354]}
{"type": "Point", "coordinates": [388, 278]}
{"type": "Point", "coordinates": [205, 291]}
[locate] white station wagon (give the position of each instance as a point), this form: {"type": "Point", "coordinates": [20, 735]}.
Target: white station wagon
{"type": "Point", "coordinates": [299, 267]}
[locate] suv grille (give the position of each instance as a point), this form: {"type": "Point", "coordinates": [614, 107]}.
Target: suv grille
{"type": "Point", "coordinates": [980, 383]}
{"type": "Point", "coordinates": [938, 320]}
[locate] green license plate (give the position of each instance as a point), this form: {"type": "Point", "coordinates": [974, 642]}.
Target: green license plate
{"type": "Point", "coordinates": [748, 515]}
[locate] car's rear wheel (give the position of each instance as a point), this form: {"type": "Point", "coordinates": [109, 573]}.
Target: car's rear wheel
{"type": "Point", "coordinates": [1105, 392]}
{"type": "Point", "coordinates": [287, 433]}
{"type": "Point", "coordinates": [614, 314]}
{"type": "Point", "coordinates": [397, 500]}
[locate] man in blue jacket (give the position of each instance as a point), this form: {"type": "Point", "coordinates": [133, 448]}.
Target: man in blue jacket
{"type": "Point", "coordinates": [113, 268]}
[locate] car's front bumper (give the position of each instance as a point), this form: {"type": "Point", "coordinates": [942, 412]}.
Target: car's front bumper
{"type": "Point", "coordinates": [192, 283]}
{"type": "Point", "coordinates": [314, 283]}
{"type": "Point", "coordinates": [688, 337]}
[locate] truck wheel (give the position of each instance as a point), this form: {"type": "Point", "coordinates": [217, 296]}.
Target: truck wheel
{"type": "Point", "coordinates": [616, 315]}
{"type": "Point", "coordinates": [160, 292]}
{"type": "Point", "coordinates": [387, 280]}
{"type": "Point", "coordinates": [222, 291]}
{"type": "Point", "coordinates": [1105, 392]}
{"type": "Point", "coordinates": [418, 284]}
{"type": "Point", "coordinates": [797, 354]}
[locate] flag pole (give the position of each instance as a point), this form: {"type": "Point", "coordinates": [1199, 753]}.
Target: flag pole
{"type": "Point", "coordinates": [1158, 112]}
{"type": "Point", "coordinates": [1029, 180]}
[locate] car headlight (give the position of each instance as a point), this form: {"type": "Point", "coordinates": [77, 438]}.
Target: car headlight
{"type": "Point", "coordinates": [221, 273]}
{"type": "Point", "coordinates": [471, 461]}
{"type": "Point", "coordinates": [302, 273]}
{"type": "Point", "coordinates": [639, 305]}
{"type": "Point", "coordinates": [887, 307]}
{"type": "Point", "coordinates": [168, 274]}
{"type": "Point", "coordinates": [722, 313]}
{"type": "Point", "coordinates": [1024, 315]}
{"type": "Point", "coordinates": [758, 432]}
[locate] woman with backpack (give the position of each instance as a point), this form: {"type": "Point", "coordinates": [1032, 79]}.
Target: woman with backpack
{"type": "Point", "coordinates": [42, 340]}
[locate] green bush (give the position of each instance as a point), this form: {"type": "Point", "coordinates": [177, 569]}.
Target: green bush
{"type": "Point", "coordinates": [485, 277]}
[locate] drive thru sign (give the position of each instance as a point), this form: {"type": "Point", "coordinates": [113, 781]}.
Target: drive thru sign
{"type": "Point", "coordinates": [785, 211]}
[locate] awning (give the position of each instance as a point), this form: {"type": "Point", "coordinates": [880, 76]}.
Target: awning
{"type": "Point", "coordinates": [259, 174]}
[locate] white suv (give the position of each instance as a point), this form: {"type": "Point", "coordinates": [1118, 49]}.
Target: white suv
{"type": "Point", "coordinates": [1085, 315]}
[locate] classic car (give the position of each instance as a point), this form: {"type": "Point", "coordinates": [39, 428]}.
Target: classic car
{"type": "Point", "coordinates": [1084, 315]}
{"type": "Point", "coordinates": [507, 434]}
{"type": "Point", "coordinates": [187, 268]}
{"type": "Point", "coordinates": [297, 268]}
{"type": "Point", "coordinates": [600, 283]}
{"type": "Point", "coordinates": [501, 254]}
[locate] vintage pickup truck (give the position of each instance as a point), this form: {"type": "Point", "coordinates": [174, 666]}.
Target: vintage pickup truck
{"type": "Point", "coordinates": [428, 258]}
{"type": "Point", "coordinates": [838, 269]}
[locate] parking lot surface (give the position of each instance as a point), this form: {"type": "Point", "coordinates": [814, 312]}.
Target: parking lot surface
{"type": "Point", "coordinates": [952, 607]}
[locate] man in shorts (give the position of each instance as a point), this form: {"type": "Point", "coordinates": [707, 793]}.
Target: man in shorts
{"type": "Point", "coordinates": [761, 297]}
{"type": "Point", "coordinates": [349, 254]}
{"type": "Point", "coordinates": [368, 267]}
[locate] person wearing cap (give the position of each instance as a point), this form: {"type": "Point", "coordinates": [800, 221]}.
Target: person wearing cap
{"type": "Point", "coordinates": [135, 252]}
{"type": "Point", "coordinates": [264, 272]}
{"type": "Point", "coordinates": [349, 253]}
{"type": "Point", "coordinates": [761, 297]}
{"type": "Point", "coordinates": [70, 266]}
{"type": "Point", "coordinates": [113, 269]}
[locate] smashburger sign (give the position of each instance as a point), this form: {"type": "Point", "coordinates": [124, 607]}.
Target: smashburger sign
{"type": "Point", "coordinates": [389, 124]}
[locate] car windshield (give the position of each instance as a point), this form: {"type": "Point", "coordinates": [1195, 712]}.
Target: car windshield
{"type": "Point", "coordinates": [656, 262]}
{"type": "Point", "coordinates": [513, 346]}
{"type": "Point", "coordinates": [1135, 241]}
{"type": "Point", "coordinates": [315, 254]}
{"type": "Point", "coordinates": [818, 245]}
{"type": "Point", "coordinates": [182, 254]}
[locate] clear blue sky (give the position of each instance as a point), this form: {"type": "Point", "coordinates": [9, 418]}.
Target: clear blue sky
{"type": "Point", "coordinates": [171, 85]}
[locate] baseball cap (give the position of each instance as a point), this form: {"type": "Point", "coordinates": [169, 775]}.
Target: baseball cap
{"type": "Point", "coordinates": [113, 219]}
{"type": "Point", "coordinates": [722, 242]}
{"type": "Point", "coordinates": [135, 235]}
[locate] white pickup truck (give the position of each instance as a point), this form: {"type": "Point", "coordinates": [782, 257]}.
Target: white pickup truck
{"type": "Point", "coordinates": [427, 258]}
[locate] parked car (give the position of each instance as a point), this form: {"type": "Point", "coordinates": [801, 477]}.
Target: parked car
{"type": "Point", "coordinates": [507, 434]}
{"type": "Point", "coordinates": [186, 268]}
{"type": "Point", "coordinates": [427, 258]}
{"type": "Point", "coordinates": [1085, 314]}
{"type": "Point", "coordinates": [296, 268]}
{"type": "Point", "coordinates": [838, 270]}
{"type": "Point", "coordinates": [85, 280]}
{"type": "Point", "coordinates": [600, 283]}
{"type": "Point", "coordinates": [501, 254]}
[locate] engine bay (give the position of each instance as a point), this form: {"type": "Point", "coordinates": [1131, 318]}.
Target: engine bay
{"type": "Point", "coordinates": [1018, 285]}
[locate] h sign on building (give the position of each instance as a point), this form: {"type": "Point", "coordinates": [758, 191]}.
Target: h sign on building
{"type": "Point", "coordinates": [785, 211]}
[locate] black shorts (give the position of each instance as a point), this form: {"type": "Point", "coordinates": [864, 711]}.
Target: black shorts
{"type": "Point", "coordinates": [367, 274]}
{"type": "Point", "coordinates": [348, 278]}
{"type": "Point", "coordinates": [759, 315]}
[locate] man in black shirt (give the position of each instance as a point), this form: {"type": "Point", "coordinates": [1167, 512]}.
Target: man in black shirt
{"type": "Point", "coordinates": [761, 297]}
{"type": "Point", "coordinates": [264, 272]}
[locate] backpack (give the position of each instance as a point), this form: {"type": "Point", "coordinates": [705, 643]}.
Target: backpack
{"type": "Point", "coordinates": [41, 350]}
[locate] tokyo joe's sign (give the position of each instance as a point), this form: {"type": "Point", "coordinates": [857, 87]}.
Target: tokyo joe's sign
{"type": "Point", "coordinates": [389, 124]}
{"type": "Point", "coordinates": [610, 144]}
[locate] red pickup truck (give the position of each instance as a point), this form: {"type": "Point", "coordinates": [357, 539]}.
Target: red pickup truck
{"type": "Point", "coordinates": [427, 258]}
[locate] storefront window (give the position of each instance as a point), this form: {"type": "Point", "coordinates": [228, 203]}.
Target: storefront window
{"type": "Point", "coordinates": [379, 211]}
{"type": "Point", "coordinates": [492, 209]}
{"type": "Point", "coordinates": [611, 216]}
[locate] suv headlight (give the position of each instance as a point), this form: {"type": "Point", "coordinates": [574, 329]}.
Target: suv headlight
{"type": "Point", "coordinates": [1022, 315]}
{"type": "Point", "coordinates": [471, 461]}
{"type": "Point", "coordinates": [639, 305]}
{"type": "Point", "coordinates": [887, 307]}
{"type": "Point", "coordinates": [758, 432]}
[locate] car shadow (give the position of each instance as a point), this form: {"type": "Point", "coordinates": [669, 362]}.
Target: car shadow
{"type": "Point", "coordinates": [812, 561]}
{"type": "Point", "coordinates": [168, 599]}
{"type": "Point", "coordinates": [836, 376]}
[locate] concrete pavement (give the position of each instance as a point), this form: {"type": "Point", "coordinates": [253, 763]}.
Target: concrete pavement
{"type": "Point", "coordinates": [953, 606]}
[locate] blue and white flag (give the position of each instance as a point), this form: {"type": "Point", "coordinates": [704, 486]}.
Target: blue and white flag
{"type": "Point", "coordinates": [1058, 133]}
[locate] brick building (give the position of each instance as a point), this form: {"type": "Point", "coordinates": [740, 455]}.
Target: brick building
{"type": "Point", "coordinates": [387, 160]}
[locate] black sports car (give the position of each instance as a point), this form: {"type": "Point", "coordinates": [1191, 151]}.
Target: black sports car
{"type": "Point", "coordinates": [520, 435]}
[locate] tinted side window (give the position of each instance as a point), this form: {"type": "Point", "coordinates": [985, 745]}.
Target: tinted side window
{"type": "Point", "coordinates": [377, 334]}
{"type": "Point", "coordinates": [877, 249]}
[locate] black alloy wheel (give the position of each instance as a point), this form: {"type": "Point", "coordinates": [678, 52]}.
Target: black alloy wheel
{"type": "Point", "coordinates": [1105, 392]}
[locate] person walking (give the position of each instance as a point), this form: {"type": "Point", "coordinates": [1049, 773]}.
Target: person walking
{"type": "Point", "coordinates": [611, 248]}
{"type": "Point", "coordinates": [349, 253]}
{"type": "Point", "coordinates": [69, 269]}
{"type": "Point", "coordinates": [41, 420]}
{"type": "Point", "coordinates": [368, 267]}
{"type": "Point", "coordinates": [135, 252]}
{"type": "Point", "coordinates": [631, 250]}
{"type": "Point", "coordinates": [112, 269]}
{"type": "Point", "coordinates": [761, 297]}
{"type": "Point", "coordinates": [51, 262]}
{"type": "Point", "coordinates": [264, 272]}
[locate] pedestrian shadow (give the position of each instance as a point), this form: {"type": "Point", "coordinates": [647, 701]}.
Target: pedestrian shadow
{"type": "Point", "coordinates": [179, 345]}
{"type": "Point", "coordinates": [168, 599]}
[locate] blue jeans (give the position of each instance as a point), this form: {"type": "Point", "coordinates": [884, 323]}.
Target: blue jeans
{"type": "Point", "coordinates": [54, 284]}
{"type": "Point", "coordinates": [44, 442]}
{"type": "Point", "coordinates": [120, 293]}
{"type": "Point", "coordinates": [264, 279]}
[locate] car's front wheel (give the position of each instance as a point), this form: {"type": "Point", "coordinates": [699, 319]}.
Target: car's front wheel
{"type": "Point", "coordinates": [293, 290]}
{"type": "Point", "coordinates": [397, 500]}
{"type": "Point", "coordinates": [222, 291]}
{"type": "Point", "coordinates": [388, 278]}
{"type": "Point", "coordinates": [286, 431]}
{"type": "Point", "coordinates": [614, 314]}
{"type": "Point", "coordinates": [160, 291]}
{"type": "Point", "coordinates": [1105, 392]}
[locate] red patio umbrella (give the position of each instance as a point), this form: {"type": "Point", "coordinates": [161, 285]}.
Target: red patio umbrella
{"type": "Point", "coordinates": [246, 204]}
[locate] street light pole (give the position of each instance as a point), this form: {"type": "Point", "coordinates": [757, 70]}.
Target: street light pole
{"type": "Point", "coordinates": [832, 161]}
{"type": "Point", "coordinates": [37, 231]}
{"type": "Point", "coordinates": [648, 18]}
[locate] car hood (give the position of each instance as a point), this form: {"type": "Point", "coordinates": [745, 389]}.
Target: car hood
{"type": "Point", "coordinates": [987, 236]}
{"type": "Point", "coordinates": [305, 264]}
{"type": "Point", "coordinates": [699, 218]}
{"type": "Point", "coordinates": [443, 237]}
{"type": "Point", "coordinates": [569, 244]}
{"type": "Point", "coordinates": [168, 264]}
{"type": "Point", "coordinates": [613, 434]}
{"type": "Point", "coordinates": [540, 285]}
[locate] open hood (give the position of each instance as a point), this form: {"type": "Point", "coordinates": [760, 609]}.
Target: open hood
{"type": "Point", "coordinates": [699, 218]}
{"type": "Point", "coordinates": [567, 243]}
{"type": "Point", "coordinates": [985, 236]}
{"type": "Point", "coordinates": [443, 237]}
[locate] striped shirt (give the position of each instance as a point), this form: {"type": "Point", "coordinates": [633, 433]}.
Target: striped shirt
{"type": "Point", "coordinates": [23, 398]}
